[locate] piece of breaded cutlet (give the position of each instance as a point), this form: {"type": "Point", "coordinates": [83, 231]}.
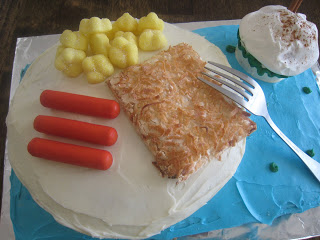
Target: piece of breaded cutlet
{"type": "Point", "coordinates": [183, 121]}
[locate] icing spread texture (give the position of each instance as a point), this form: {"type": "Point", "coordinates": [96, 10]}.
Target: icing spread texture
{"type": "Point", "coordinates": [255, 63]}
{"type": "Point", "coordinates": [131, 199]}
{"type": "Point", "coordinates": [292, 189]}
{"type": "Point", "coordinates": [283, 41]}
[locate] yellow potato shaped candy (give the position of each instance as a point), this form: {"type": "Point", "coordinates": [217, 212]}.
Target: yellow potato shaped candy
{"type": "Point", "coordinates": [151, 40]}
{"type": "Point", "coordinates": [97, 68]}
{"type": "Point", "coordinates": [94, 25]}
{"type": "Point", "coordinates": [69, 61]}
{"type": "Point", "coordinates": [127, 35]}
{"type": "Point", "coordinates": [74, 40]}
{"type": "Point", "coordinates": [126, 23]}
{"type": "Point", "coordinates": [151, 21]}
{"type": "Point", "coordinates": [99, 43]}
{"type": "Point", "coordinates": [60, 48]}
{"type": "Point", "coordinates": [110, 34]}
{"type": "Point", "coordinates": [123, 53]}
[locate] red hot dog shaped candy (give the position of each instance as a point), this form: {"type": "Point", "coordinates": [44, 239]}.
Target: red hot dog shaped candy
{"type": "Point", "coordinates": [69, 102]}
{"type": "Point", "coordinates": [70, 153]}
{"type": "Point", "coordinates": [78, 130]}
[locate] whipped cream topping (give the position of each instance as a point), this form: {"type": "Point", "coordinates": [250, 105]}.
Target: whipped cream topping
{"type": "Point", "coordinates": [283, 41]}
{"type": "Point", "coordinates": [129, 200]}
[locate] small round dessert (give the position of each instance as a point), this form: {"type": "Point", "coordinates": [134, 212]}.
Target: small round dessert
{"type": "Point", "coordinates": [275, 43]}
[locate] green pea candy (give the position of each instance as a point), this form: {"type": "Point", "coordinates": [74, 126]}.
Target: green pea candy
{"type": "Point", "coordinates": [273, 167]}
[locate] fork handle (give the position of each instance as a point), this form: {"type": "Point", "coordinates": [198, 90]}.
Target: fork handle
{"type": "Point", "coordinates": [312, 164]}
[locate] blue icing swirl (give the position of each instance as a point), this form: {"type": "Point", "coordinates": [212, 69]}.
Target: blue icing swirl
{"type": "Point", "coordinates": [292, 189]}
{"type": "Point", "coordinates": [23, 71]}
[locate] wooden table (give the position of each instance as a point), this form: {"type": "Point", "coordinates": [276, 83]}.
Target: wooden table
{"type": "Point", "coordinates": [23, 18]}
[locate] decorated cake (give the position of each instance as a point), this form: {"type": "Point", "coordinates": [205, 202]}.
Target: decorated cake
{"type": "Point", "coordinates": [132, 199]}
{"type": "Point", "coordinates": [275, 43]}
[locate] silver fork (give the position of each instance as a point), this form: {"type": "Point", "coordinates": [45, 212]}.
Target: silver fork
{"type": "Point", "coordinates": [252, 98]}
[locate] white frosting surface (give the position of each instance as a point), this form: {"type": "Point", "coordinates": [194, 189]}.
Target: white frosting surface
{"type": "Point", "coordinates": [129, 200]}
{"type": "Point", "coordinates": [283, 41]}
{"type": "Point", "coordinates": [252, 70]}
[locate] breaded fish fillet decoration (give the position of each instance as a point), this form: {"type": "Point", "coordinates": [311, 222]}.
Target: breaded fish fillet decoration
{"type": "Point", "coordinates": [184, 122]}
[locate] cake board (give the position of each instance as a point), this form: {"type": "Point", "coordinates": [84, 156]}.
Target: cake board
{"type": "Point", "coordinates": [28, 49]}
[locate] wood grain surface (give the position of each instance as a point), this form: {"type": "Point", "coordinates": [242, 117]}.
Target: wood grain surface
{"type": "Point", "coordinates": [23, 18]}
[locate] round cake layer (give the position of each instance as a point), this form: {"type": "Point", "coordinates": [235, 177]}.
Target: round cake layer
{"type": "Point", "coordinates": [131, 199]}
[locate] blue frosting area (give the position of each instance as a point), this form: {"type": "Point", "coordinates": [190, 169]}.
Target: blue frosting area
{"type": "Point", "coordinates": [23, 71]}
{"type": "Point", "coordinates": [30, 221]}
{"type": "Point", "coordinates": [254, 193]}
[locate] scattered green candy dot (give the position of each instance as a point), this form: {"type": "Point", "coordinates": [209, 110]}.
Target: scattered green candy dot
{"type": "Point", "coordinates": [231, 49]}
{"type": "Point", "coordinates": [306, 90]}
{"type": "Point", "coordinates": [274, 167]}
{"type": "Point", "coordinates": [310, 152]}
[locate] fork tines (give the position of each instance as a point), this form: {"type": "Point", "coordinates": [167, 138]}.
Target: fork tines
{"type": "Point", "coordinates": [244, 88]}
